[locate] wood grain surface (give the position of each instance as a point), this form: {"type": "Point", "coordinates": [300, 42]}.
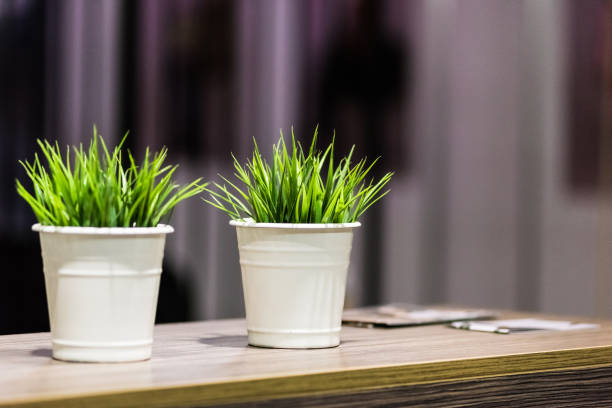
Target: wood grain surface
{"type": "Point", "coordinates": [591, 387]}
{"type": "Point", "coordinates": [209, 363]}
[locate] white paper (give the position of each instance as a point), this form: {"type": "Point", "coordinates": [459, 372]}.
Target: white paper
{"type": "Point", "coordinates": [430, 314]}
{"type": "Point", "coordinates": [498, 326]}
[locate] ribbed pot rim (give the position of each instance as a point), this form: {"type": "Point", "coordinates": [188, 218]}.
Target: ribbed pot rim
{"type": "Point", "coordinates": [250, 223]}
{"type": "Point", "coordinates": [114, 231]}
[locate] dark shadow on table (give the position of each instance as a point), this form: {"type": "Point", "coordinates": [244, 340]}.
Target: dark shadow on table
{"type": "Point", "coordinates": [41, 352]}
{"type": "Point", "coordinates": [240, 341]}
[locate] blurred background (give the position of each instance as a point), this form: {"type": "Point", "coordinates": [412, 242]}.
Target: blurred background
{"type": "Point", "coordinates": [495, 115]}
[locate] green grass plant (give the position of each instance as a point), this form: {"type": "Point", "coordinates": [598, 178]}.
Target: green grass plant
{"type": "Point", "coordinates": [299, 187]}
{"type": "Point", "coordinates": [96, 189]}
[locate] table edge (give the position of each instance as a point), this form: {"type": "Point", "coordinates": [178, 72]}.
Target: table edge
{"type": "Point", "coordinates": [331, 382]}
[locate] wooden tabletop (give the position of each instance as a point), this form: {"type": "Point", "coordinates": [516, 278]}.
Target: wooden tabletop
{"type": "Point", "coordinates": [208, 363]}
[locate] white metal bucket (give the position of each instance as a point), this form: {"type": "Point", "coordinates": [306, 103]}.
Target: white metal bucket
{"type": "Point", "coordinates": [102, 286]}
{"type": "Point", "coordinates": [294, 280]}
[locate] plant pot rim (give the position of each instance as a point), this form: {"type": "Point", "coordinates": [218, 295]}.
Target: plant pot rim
{"type": "Point", "coordinates": [250, 223]}
{"type": "Point", "coordinates": [113, 231]}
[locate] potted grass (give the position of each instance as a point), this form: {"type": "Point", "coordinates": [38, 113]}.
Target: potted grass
{"type": "Point", "coordinates": [102, 227]}
{"type": "Point", "coordinates": [294, 218]}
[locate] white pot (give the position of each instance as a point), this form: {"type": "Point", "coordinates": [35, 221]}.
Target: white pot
{"type": "Point", "coordinates": [102, 286]}
{"type": "Point", "coordinates": [294, 279]}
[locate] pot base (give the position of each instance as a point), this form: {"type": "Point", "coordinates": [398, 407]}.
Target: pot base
{"type": "Point", "coordinates": [294, 340]}
{"type": "Point", "coordinates": [101, 353]}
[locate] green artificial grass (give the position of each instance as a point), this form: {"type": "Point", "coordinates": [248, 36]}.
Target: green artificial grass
{"type": "Point", "coordinates": [95, 189]}
{"type": "Point", "coordinates": [299, 187]}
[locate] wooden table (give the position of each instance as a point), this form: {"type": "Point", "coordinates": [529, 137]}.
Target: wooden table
{"type": "Point", "coordinates": [209, 363]}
